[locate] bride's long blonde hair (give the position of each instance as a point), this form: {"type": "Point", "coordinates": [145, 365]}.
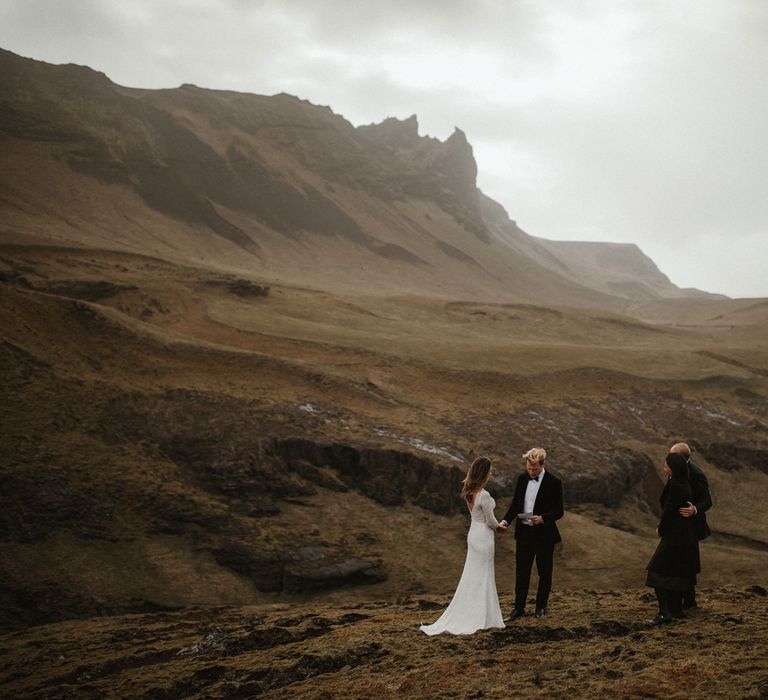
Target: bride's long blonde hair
{"type": "Point", "coordinates": [475, 478]}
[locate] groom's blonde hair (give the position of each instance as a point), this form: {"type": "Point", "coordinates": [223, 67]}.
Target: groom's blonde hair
{"type": "Point", "coordinates": [535, 454]}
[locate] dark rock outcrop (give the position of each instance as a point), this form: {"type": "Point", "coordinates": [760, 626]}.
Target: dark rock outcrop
{"type": "Point", "coordinates": [625, 471]}
{"type": "Point", "coordinates": [48, 500]}
{"type": "Point", "coordinates": [390, 477]}
{"type": "Point", "coordinates": [731, 457]}
{"type": "Point", "coordinates": [315, 569]}
{"type": "Point", "coordinates": [88, 291]}
{"type": "Point", "coordinates": [310, 568]}
{"type": "Point", "coordinates": [211, 438]}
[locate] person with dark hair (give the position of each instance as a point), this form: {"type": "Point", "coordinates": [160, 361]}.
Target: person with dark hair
{"type": "Point", "coordinates": [696, 509]}
{"type": "Point", "coordinates": [475, 604]}
{"type": "Point", "coordinates": [675, 563]}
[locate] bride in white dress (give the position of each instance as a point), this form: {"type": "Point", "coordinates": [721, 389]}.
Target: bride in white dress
{"type": "Point", "coordinates": [475, 605]}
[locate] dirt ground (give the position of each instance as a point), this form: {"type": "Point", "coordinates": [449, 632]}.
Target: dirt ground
{"type": "Point", "coordinates": [592, 644]}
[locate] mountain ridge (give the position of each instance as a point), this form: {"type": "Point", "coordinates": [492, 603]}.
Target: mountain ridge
{"type": "Point", "coordinates": [278, 184]}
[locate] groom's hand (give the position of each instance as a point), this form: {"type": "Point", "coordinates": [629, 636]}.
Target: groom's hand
{"type": "Point", "coordinates": [687, 511]}
{"type": "Point", "coordinates": [503, 526]}
{"type": "Point", "coordinates": [537, 519]}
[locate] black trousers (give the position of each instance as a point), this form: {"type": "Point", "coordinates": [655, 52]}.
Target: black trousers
{"type": "Point", "coordinates": [689, 597]}
{"type": "Point", "coordinates": [528, 550]}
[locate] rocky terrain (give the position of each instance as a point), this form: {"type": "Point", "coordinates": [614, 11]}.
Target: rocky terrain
{"type": "Point", "coordinates": [594, 644]}
{"type": "Point", "coordinates": [247, 352]}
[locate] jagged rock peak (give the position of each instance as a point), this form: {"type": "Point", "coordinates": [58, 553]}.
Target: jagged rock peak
{"type": "Point", "coordinates": [457, 144]}
{"type": "Point", "coordinates": [409, 125]}
{"type": "Point", "coordinates": [458, 136]}
{"type": "Point", "coordinates": [459, 158]}
{"type": "Point", "coordinates": [394, 131]}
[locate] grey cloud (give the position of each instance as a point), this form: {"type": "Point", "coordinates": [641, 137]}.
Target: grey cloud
{"type": "Point", "coordinates": [57, 29]}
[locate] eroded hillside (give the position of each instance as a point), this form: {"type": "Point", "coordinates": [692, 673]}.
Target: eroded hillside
{"type": "Point", "coordinates": [178, 436]}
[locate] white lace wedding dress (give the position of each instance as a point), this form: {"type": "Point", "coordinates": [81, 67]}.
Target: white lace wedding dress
{"type": "Point", "coordinates": [475, 605]}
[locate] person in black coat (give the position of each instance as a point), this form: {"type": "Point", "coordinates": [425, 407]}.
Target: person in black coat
{"type": "Point", "coordinates": [540, 493]}
{"type": "Point", "coordinates": [675, 563]}
{"type": "Point", "coordinates": [697, 509]}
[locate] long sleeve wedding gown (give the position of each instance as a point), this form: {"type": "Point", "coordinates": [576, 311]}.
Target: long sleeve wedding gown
{"type": "Point", "coordinates": [475, 605]}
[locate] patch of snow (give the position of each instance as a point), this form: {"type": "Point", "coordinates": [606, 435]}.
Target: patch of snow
{"type": "Point", "coordinates": [419, 444]}
{"type": "Point", "coordinates": [579, 449]}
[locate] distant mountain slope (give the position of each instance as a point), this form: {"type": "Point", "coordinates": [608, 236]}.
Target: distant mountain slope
{"type": "Point", "coordinates": [278, 187]}
{"type": "Point", "coordinates": [619, 269]}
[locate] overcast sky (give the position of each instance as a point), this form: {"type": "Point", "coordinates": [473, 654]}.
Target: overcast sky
{"type": "Point", "coordinates": [641, 121]}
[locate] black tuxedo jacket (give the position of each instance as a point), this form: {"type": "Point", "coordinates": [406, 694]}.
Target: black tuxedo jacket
{"type": "Point", "coordinates": [548, 504]}
{"type": "Point", "coordinates": [702, 499]}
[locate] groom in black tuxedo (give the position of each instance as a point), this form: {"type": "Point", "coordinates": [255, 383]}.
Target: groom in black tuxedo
{"type": "Point", "coordinates": [540, 493]}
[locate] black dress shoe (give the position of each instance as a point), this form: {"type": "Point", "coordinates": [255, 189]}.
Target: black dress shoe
{"type": "Point", "coordinates": [540, 612]}
{"type": "Point", "coordinates": [690, 605]}
{"type": "Point", "coordinates": [514, 615]}
{"type": "Point", "coordinates": [659, 620]}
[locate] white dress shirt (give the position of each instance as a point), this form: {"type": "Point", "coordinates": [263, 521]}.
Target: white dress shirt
{"type": "Point", "coordinates": [531, 491]}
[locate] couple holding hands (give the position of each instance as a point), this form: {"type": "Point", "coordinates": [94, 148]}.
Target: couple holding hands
{"type": "Point", "coordinates": [536, 506]}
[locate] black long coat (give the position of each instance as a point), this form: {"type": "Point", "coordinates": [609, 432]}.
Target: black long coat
{"type": "Point", "coordinates": [702, 499]}
{"type": "Point", "coordinates": [675, 562]}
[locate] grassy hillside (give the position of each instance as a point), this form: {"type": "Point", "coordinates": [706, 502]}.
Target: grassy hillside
{"type": "Point", "coordinates": [178, 436]}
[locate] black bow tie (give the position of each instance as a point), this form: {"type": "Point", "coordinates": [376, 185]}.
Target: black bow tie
{"type": "Point", "coordinates": [533, 478]}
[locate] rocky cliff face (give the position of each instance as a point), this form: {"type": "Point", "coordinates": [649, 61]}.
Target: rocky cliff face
{"type": "Point", "coordinates": [187, 152]}
{"type": "Point", "coordinates": [425, 168]}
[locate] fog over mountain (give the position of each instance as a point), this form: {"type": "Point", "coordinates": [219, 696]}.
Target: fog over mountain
{"type": "Point", "coordinates": [633, 122]}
